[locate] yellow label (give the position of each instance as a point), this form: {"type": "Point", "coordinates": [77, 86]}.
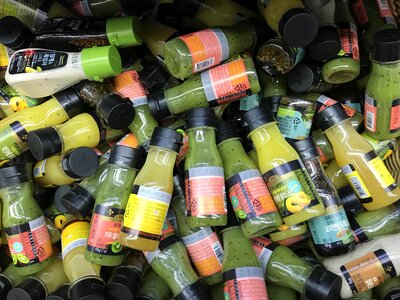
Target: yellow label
{"type": "Point", "coordinates": [381, 172]}
{"type": "Point", "coordinates": [3, 57]}
{"type": "Point", "coordinates": [356, 182]}
{"type": "Point", "coordinates": [72, 233]}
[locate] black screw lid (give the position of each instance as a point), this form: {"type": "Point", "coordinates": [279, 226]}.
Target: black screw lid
{"type": "Point", "coordinates": [351, 203]}
{"type": "Point", "coordinates": [158, 106]}
{"type": "Point", "coordinates": [44, 142]}
{"type": "Point", "coordinates": [124, 156]}
{"type": "Point", "coordinates": [88, 289]}
{"type": "Point", "coordinates": [195, 291]}
{"type": "Point", "coordinates": [5, 286]}
{"type": "Point", "coordinates": [323, 284]}
{"type": "Point", "coordinates": [298, 27]}
{"type": "Point", "coordinates": [386, 45]}
{"type": "Point", "coordinates": [166, 138]}
{"type": "Point", "coordinates": [80, 162]}
{"type": "Point", "coordinates": [61, 293]}
{"type": "Point", "coordinates": [326, 44]}
{"type": "Point", "coordinates": [257, 117]}
{"type": "Point", "coordinates": [304, 77]}
{"type": "Point", "coordinates": [123, 283]}
{"type": "Point", "coordinates": [58, 196]}
{"type": "Point", "coordinates": [226, 130]}
{"type": "Point", "coordinates": [78, 201]}
{"type": "Point", "coordinates": [393, 294]}
{"type": "Point", "coordinates": [30, 289]}
{"type": "Point", "coordinates": [117, 112]}
{"type": "Point", "coordinates": [188, 8]}
{"type": "Point", "coordinates": [70, 101]}
{"type": "Point", "coordinates": [14, 34]}
{"type": "Point", "coordinates": [306, 148]}
{"type": "Point", "coordinates": [199, 117]}
{"type": "Point", "coordinates": [330, 116]}
{"type": "Point", "coordinates": [272, 103]}
{"type": "Point", "coordinates": [13, 175]}
{"type": "Point", "coordinates": [154, 76]}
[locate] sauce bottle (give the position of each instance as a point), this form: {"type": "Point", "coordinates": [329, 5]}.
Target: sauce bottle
{"type": "Point", "coordinates": [383, 149]}
{"type": "Point", "coordinates": [100, 9]}
{"type": "Point", "coordinates": [252, 203]}
{"type": "Point", "coordinates": [297, 26]}
{"type": "Point", "coordinates": [390, 289]}
{"type": "Point", "coordinates": [9, 279]}
{"type": "Point", "coordinates": [331, 232]}
{"type": "Point", "coordinates": [204, 172]}
{"type": "Point", "coordinates": [324, 148]}
{"type": "Point", "coordinates": [41, 284]}
{"type": "Point", "coordinates": [23, 222]}
{"type": "Point", "coordinates": [103, 247]}
{"type": "Point", "coordinates": [84, 276]}
{"type": "Point", "coordinates": [153, 287]}
{"type": "Point", "coordinates": [151, 193]}
{"type": "Point", "coordinates": [283, 171]}
{"type": "Point", "coordinates": [39, 72]}
{"type": "Point", "coordinates": [369, 265]}
{"type": "Point", "coordinates": [14, 129]}
{"type": "Point", "coordinates": [381, 109]}
{"type": "Point", "coordinates": [288, 236]}
{"type": "Point", "coordinates": [67, 168]}
{"type": "Point", "coordinates": [363, 169]}
{"type": "Point", "coordinates": [219, 85]}
{"type": "Point", "coordinates": [284, 268]}
{"type": "Point", "coordinates": [273, 88]}
{"type": "Point", "coordinates": [202, 244]}
{"type": "Point", "coordinates": [335, 174]}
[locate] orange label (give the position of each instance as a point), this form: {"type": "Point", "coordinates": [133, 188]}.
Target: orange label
{"type": "Point", "coordinates": [359, 12]}
{"type": "Point", "coordinates": [395, 116]}
{"type": "Point", "coordinates": [226, 83]}
{"type": "Point", "coordinates": [205, 191]}
{"type": "Point", "coordinates": [128, 85]}
{"type": "Point", "coordinates": [349, 40]}
{"type": "Point", "coordinates": [293, 240]}
{"type": "Point", "coordinates": [128, 140]}
{"type": "Point", "coordinates": [322, 156]}
{"type": "Point", "coordinates": [386, 12]}
{"type": "Point", "coordinates": [326, 102]}
{"type": "Point", "coordinates": [370, 113]}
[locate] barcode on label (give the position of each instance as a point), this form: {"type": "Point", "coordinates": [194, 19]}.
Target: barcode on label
{"type": "Point", "coordinates": [205, 64]}
{"type": "Point", "coordinates": [358, 186]}
{"type": "Point", "coordinates": [219, 253]}
{"type": "Point", "coordinates": [370, 122]}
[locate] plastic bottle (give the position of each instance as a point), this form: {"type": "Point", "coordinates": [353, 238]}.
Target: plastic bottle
{"type": "Point", "coordinates": [9, 278]}
{"type": "Point", "coordinates": [388, 290]}
{"type": "Point", "coordinates": [153, 287]}
{"type": "Point", "coordinates": [324, 148]}
{"type": "Point", "coordinates": [273, 89]}
{"type": "Point", "coordinates": [61, 293]}
{"type": "Point", "coordinates": [288, 236]}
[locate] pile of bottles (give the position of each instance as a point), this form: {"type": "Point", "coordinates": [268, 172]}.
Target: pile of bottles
{"type": "Point", "coordinates": [199, 149]}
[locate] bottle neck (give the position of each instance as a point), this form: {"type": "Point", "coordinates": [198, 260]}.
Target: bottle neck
{"type": "Point", "coordinates": [202, 145]}
{"type": "Point", "coordinates": [16, 194]}
{"type": "Point", "coordinates": [159, 157]}
{"type": "Point", "coordinates": [265, 133]}
{"type": "Point", "coordinates": [388, 69]}
{"type": "Point", "coordinates": [340, 132]}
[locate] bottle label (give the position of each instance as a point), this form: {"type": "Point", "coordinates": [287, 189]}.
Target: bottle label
{"type": "Point", "coordinates": [395, 116]}
{"type": "Point", "coordinates": [128, 85]}
{"type": "Point", "coordinates": [293, 240]}
{"type": "Point", "coordinates": [13, 140]}
{"type": "Point", "coordinates": [291, 188]}
{"type": "Point", "coordinates": [370, 113]}
{"type": "Point", "coordinates": [226, 83]}
{"type": "Point", "coordinates": [11, 98]}
{"type": "Point", "coordinates": [263, 248]}
{"type": "Point", "coordinates": [326, 102]}
{"type": "Point", "coordinates": [294, 124]}
{"type": "Point", "coordinates": [386, 12]}
{"type": "Point", "coordinates": [29, 243]}
{"type": "Point", "coordinates": [145, 212]}
{"type": "Point", "coordinates": [128, 140]}
{"type": "Point", "coordinates": [249, 102]}
{"type": "Point", "coordinates": [36, 60]}
{"type": "Point", "coordinates": [322, 156]}
{"type": "Point", "coordinates": [104, 231]}
{"type": "Point", "coordinates": [359, 12]}
{"type": "Point", "coordinates": [349, 40]}
{"type": "Point", "coordinates": [368, 271]}
{"type": "Point", "coordinates": [74, 236]}
{"type": "Point", "coordinates": [80, 7]}
{"type": "Point", "coordinates": [357, 183]}
{"type": "Point", "coordinates": [40, 169]}
{"type": "Point", "coordinates": [358, 232]}
{"type": "Point", "coordinates": [382, 148]}
{"type": "Point", "coordinates": [205, 191]}
{"type": "Point", "coordinates": [380, 171]}
{"type": "Point", "coordinates": [244, 284]}
{"type": "Point", "coordinates": [331, 228]}
{"type": "Point", "coordinates": [249, 195]}
{"type": "Point", "coordinates": [205, 251]}
{"type": "Point", "coordinates": [55, 216]}
{"type": "Point", "coordinates": [207, 47]}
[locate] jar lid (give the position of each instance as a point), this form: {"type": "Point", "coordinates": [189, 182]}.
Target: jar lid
{"type": "Point", "coordinates": [123, 282]}
{"type": "Point", "coordinates": [117, 112]}
{"type": "Point", "coordinates": [44, 142]}
{"type": "Point", "coordinates": [166, 138]}
{"type": "Point", "coordinates": [226, 130]}
{"type": "Point", "coordinates": [306, 148]}
{"type": "Point", "coordinates": [80, 162]}
{"type": "Point", "coordinates": [386, 45]}
{"type": "Point", "coordinates": [88, 289]}
{"type": "Point", "coordinates": [124, 31]}
{"type": "Point", "coordinates": [13, 175]}
{"type": "Point", "coordinates": [326, 44]}
{"type": "Point", "coordinates": [304, 77]}
{"type": "Point", "coordinates": [124, 156]}
{"type": "Point", "coordinates": [200, 117]}
{"type": "Point", "coordinates": [29, 289]}
{"type": "Point", "coordinates": [257, 117]}
{"type": "Point", "coordinates": [330, 116]}
{"type": "Point", "coordinates": [14, 34]}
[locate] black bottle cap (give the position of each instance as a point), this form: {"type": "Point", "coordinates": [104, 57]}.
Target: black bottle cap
{"type": "Point", "coordinates": [199, 117]}
{"type": "Point", "coordinates": [58, 196]}
{"type": "Point", "coordinates": [351, 203]}
{"type": "Point", "coordinates": [272, 102]}
{"type": "Point", "coordinates": [158, 106]}
{"type": "Point", "coordinates": [179, 184]}
{"type": "Point", "coordinates": [123, 283]}
{"type": "Point", "coordinates": [154, 76]}
{"type": "Point", "coordinates": [61, 293]}
{"type": "Point", "coordinates": [257, 117]}
{"type": "Point", "coordinates": [326, 44]}
{"type": "Point", "coordinates": [248, 144]}
{"type": "Point", "coordinates": [70, 101]}
{"type": "Point", "coordinates": [188, 8]}
{"type": "Point", "coordinates": [386, 45]}
{"type": "Point", "coordinates": [78, 201]}
{"type": "Point", "coordinates": [298, 27]}
{"type": "Point", "coordinates": [306, 148]}
{"type": "Point", "coordinates": [195, 291]}
{"type": "Point", "coordinates": [117, 112]}
{"type": "Point", "coordinates": [88, 289]}
{"type": "Point", "coordinates": [14, 34]}
{"type": "Point", "coordinates": [124, 156]}
{"type": "Point", "coordinates": [13, 175]}
{"type": "Point", "coordinates": [44, 142]}
{"type": "Point", "coordinates": [322, 284]}
{"type": "Point", "coordinates": [80, 162]}
{"type": "Point", "coordinates": [166, 138]}
{"type": "Point", "coordinates": [330, 116]}
{"type": "Point", "coordinates": [226, 130]}
{"type": "Point", "coordinates": [393, 294]}
{"type": "Point", "coordinates": [30, 289]}
{"type": "Point", "coordinates": [5, 286]}
{"type": "Point", "coordinates": [304, 77]}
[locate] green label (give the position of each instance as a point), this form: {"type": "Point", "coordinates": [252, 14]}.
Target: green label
{"type": "Point", "coordinates": [12, 140]}
{"type": "Point", "coordinates": [293, 124]}
{"type": "Point", "coordinates": [249, 102]}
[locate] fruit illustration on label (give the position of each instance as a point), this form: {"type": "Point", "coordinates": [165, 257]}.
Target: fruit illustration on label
{"type": "Point", "coordinates": [344, 235]}
{"type": "Point", "coordinates": [116, 247]}
{"type": "Point", "coordinates": [22, 258]}
{"type": "Point", "coordinates": [297, 202]}
{"type": "Point", "coordinates": [17, 103]}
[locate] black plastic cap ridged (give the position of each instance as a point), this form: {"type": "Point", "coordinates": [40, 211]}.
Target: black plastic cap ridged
{"type": "Point", "coordinates": [322, 284]}
{"type": "Point", "coordinates": [386, 45]}
{"type": "Point", "coordinates": [30, 289]}
{"type": "Point", "coordinates": [61, 293]}
{"type": "Point", "coordinates": [304, 77]}
{"type": "Point", "coordinates": [393, 294]}
{"type": "Point", "coordinates": [158, 106]}
{"type": "Point", "coordinates": [44, 142]}
{"type": "Point", "coordinates": [179, 185]}
{"type": "Point", "coordinates": [272, 103]}
{"type": "Point", "coordinates": [88, 289]}
{"type": "Point", "coordinates": [188, 8]}
{"type": "Point", "coordinates": [116, 112]}
{"type": "Point", "coordinates": [166, 138]}
{"type": "Point", "coordinates": [80, 162]}
{"type": "Point", "coordinates": [13, 175]}
{"type": "Point", "coordinates": [227, 130]}
{"type": "Point", "coordinates": [5, 286]}
{"type": "Point", "coordinates": [350, 201]}
{"type": "Point", "coordinates": [123, 283]}
{"type": "Point", "coordinates": [14, 34]}
{"type": "Point", "coordinates": [257, 117]}
{"type": "Point", "coordinates": [326, 44]}
{"type": "Point", "coordinates": [78, 201]}
{"type": "Point", "coordinates": [70, 101]}
{"type": "Point", "coordinates": [330, 116]}
{"type": "Point", "coordinates": [195, 291]}
{"type": "Point", "coordinates": [124, 156]}
{"type": "Point", "coordinates": [298, 27]}
{"type": "Point", "coordinates": [154, 76]}
{"type": "Point", "coordinates": [306, 148]}
{"type": "Point", "coordinates": [58, 196]}
{"type": "Point", "coordinates": [200, 117]}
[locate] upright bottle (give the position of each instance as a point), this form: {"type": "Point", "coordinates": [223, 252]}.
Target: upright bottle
{"type": "Point", "coordinates": [331, 232]}
{"type": "Point", "coordinates": [103, 247]}
{"type": "Point", "coordinates": [23, 222]}
{"type": "Point", "coordinates": [151, 193]}
{"type": "Point", "coordinates": [382, 107]}
{"type": "Point", "coordinates": [204, 172]}
{"type": "Point", "coordinates": [364, 170]}
{"type": "Point", "coordinates": [282, 169]}
{"type": "Point", "coordinates": [252, 203]}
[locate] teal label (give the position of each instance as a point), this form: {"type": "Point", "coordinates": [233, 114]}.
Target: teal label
{"type": "Point", "coordinates": [292, 123]}
{"type": "Point", "coordinates": [249, 102]}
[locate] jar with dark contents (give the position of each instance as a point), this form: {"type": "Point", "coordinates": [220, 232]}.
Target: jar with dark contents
{"type": "Point", "coordinates": [90, 92]}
